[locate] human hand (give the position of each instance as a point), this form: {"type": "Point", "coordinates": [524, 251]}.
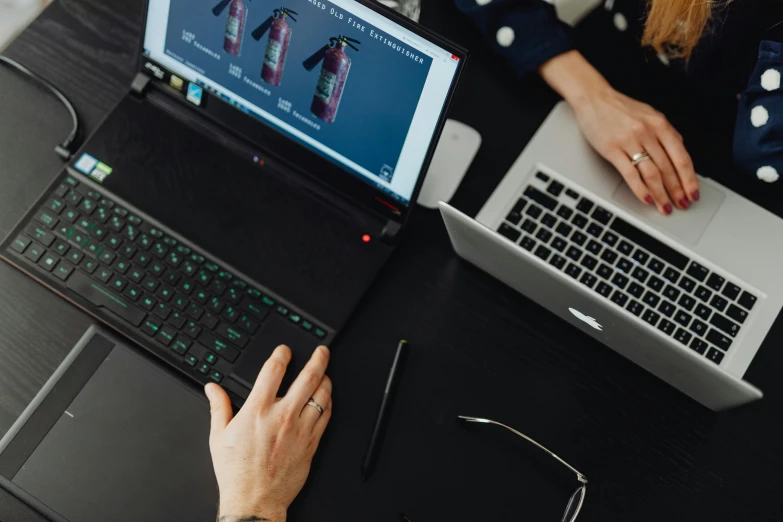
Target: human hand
{"type": "Point", "coordinates": [618, 127]}
{"type": "Point", "coordinates": [262, 456]}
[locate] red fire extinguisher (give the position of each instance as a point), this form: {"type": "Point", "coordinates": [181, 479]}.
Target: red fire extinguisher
{"type": "Point", "coordinates": [277, 46]}
{"type": "Point", "coordinates": [235, 25]}
{"type": "Point", "coordinates": [334, 72]}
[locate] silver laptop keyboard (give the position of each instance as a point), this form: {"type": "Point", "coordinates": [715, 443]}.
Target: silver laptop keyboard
{"type": "Point", "coordinates": [649, 279]}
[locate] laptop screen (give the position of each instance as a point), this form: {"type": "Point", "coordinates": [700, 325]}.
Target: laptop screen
{"type": "Point", "coordinates": [339, 78]}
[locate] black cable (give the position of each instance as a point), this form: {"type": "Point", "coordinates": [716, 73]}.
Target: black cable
{"type": "Point", "coordinates": [64, 149]}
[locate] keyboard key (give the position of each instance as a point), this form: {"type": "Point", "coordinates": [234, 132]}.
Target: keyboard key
{"type": "Point", "coordinates": [127, 250]}
{"type": "Point", "coordinates": [699, 346]}
{"type": "Point", "coordinates": [698, 328]}
{"type": "Point", "coordinates": [655, 283]}
{"type": "Point", "coordinates": [162, 310]}
{"type": "Point", "coordinates": [683, 336]}
{"type": "Point", "coordinates": [651, 317]}
{"type": "Point", "coordinates": [186, 286]}
{"type": "Point", "coordinates": [194, 311]}
{"type": "Point", "coordinates": [605, 271]}
{"type": "Point", "coordinates": [610, 256]}
{"type": "Point", "coordinates": [640, 274]}
{"type": "Point", "coordinates": [588, 279]}
{"type": "Point", "coordinates": [70, 215]}
{"type": "Point", "coordinates": [603, 289]}
{"type": "Point", "coordinates": [737, 313]}
{"type": "Point", "coordinates": [731, 291]}
{"type": "Point", "coordinates": [181, 345]}
{"type": "Point", "coordinates": [715, 282]}
{"type": "Point", "coordinates": [601, 215]}
{"type": "Point", "coordinates": [201, 296]}
{"type": "Point", "coordinates": [573, 270]}
{"type": "Point", "coordinates": [248, 323]}
{"type": "Point", "coordinates": [20, 244]}
{"type": "Point", "coordinates": [666, 308]}
{"type": "Point", "coordinates": [528, 243]}
{"type": "Point", "coordinates": [541, 198]}
{"type": "Point", "coordinates": [718, 339]}
{"type": "Point", "coordinates": [666, 326]}
{"type": "Point", "coordinates": [509, 232]}
{"type": "Point", "coordinates": [572, 194]}
{"type": "Point", "coordinates": [620, 280]}
{"type": "Point", "coordinates": [148, 302]}
{"type": "Point", "coordinates": [204, 368]}
{"type": "Point", "coordinates": [130, 232]}
{"type": "Point", "coordinates": [210, 358]}
{"type": "Point", "coordinates": [651, 299]}
{"type": "Point", "coordinates": [719, 303]}
{"type": "Point", "coordinates": [564, 229]}
{"type": "Point", "coordinates": [610, 239]}
{"type": "Point", "coordinates": [557, 262]}
{"type": "Point", "coordinates": [121, 265]}
{"type": "Point", "coordinates": [703, 293]}
{"type": "Point", "coordinates": [579, 238]}
{"type": "Point", "coordinates": [63, 270]}
{"type": "Point", "coordinates": [40, 234]}
{"type": "Point", "coordinates": [703, 311]}
{"type": "Point", "coordinates": [649, 243]}
{"type": "Point", "coordinates": [62, 190]}
{"type": "Point", "coordinates": [515, 215]}
{"type": "Point", "coordinates": [671, 275]}
{"type": "Point", "coordinates": [549, 220]}
{"type": "Point", "coordinates": [178, 320]}
{"type": "Point", "coordinates": [579, 221]}
{"type": "Point", "coordinates": [533, 211]}
{"type": "Point", "coordinates": [714, 356]}
{"type": "Point", "coordinates": [584, 205]}
{"type": "Point", "coordinates": [625, 247]}
{"type": "Point", "coordinates": [698, 272]}
{"type": "Point", "coordinates": [747, 300]}
{"type": "Point", "coordinates": [104, 275]}
{"type": "Point", "coordinates": [687, 302]}
{"type": "Point", "coordinates": [640, 256]}
{"type": "Point", "coordinates": [555, 188]}
{"type": "Point", "coordinates": [118, 283]}
{"type": "Point", "coordinates": [209, 321]}
{"type": "Point", "coordinates": [166, 335]}
{"type": "Point", "coordinates": [636, 290]}
{"type": "Point", "coordinates": [233, 334]}
{"type": "Point", "coordinates": [165, 292]}
{"type": "Point", "coordinates": [230, 314]}
{"type": "Point", "coordinates": [543, 252]}
{"type": "Point", "coordinates": [574, 253]}
{"type": "Point", "coordinates": [142, 259]}
{"type": "Point", "coordinates": [655, 266]}
{"type": "Point", "coordinates": [635, 307]}
{"type": "Point", "coordinates": [529, 226]}
{"type": "Point", "coordinates": [157, 268]}
{"type": "Point", "coordinates": [219, 346]}
{"type": "Point", "coordinates": [619, 298]}
{"type": "Point", "coordinates": [73, 197]}
{"type": "Point", "coordinates": [683, 318]}
{"type": "Point", "coordinates": [215, 305]}
{"type": "Point", "coordinates": [48, 261]}
{"type": "Point", "coordinates": [101, 214]}
{"type": "Point", "coordinates": [87, 206]}
{"type": "Point", "coordinates": [671, 293]}
{"type": "Point", "coordinates": [724, 324]}
{"type": "Point", "coordinates": [564, 212]}
{"type": "Point", "coordinates": [589, 262]}
{"type": "Point", "coordinates": [594, 247]}
{"type": "Point", "coordinates": [624, 265]}
{"type": "Point", "coordinates": [542, 176]}
{"type": "Point", "coordinates": [595, 230]}
{"type": "Point", "coordinates": [88, 265]}
{"type": "Point", "coordinates": [544, 235]}
{"type": "Point", "coordinates": [307, 325]}
{"type": "Point", "coordinates": [687, 284]}
{"type": "Point", "coordinates": [82, 285]}
{"type": "Point", "coordinates": [133, 292]}
{"type": "Point", "coordinates": [47, 218]}
{"type": "Point", "coordinates": [180, 302]}
{"type": "Point", "coordinates": [134, 220]}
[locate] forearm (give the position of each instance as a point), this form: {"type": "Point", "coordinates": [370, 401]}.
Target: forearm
{"type": "Point", "coordinates": [248, 518]}
{"type": "Point", "coordinates": [573, 78]}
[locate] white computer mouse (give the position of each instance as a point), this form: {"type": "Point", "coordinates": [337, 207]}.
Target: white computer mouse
{"type": "Point", "coordinates": [456, 150]}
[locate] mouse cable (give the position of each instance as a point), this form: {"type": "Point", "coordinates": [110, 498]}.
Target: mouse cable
{"type": "Point", "coordinates": [64, 149]}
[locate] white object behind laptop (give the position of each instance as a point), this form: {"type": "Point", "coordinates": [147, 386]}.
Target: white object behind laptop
{"type": "Point", "coordinates": [456, 150]}
{"type": "Point", "coordinates": [730, 234]}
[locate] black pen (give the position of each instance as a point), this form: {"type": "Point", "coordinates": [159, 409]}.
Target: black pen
{"type": "Point", "coordinates": [385, 409]}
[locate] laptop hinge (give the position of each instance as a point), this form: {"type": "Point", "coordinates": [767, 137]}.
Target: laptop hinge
{"type": "Point", "coordinates": [390, 231]}
{"type": "Point", "coordinates": [140, 83]}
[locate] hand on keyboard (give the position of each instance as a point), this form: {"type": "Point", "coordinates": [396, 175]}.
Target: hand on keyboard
{"type": "Point", "coordinates": [262, 456]}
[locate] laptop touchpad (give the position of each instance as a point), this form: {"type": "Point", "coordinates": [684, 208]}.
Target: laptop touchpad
{"type": "Point", "coordinates": [688, 225]}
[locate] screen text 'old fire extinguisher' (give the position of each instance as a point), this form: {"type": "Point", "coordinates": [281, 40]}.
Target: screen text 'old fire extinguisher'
{"type": "Point", "coordinates": [334, 73]}
{"type": "Point", "coordinates": [277, 46]}
{"type": "Point", "coordinates": [235, 25]}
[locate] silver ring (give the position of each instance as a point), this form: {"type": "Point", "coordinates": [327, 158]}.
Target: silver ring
{"type": "Point", "coordinates": [315, 405]}
{"type": "Point", "coordinates": [639, 157]}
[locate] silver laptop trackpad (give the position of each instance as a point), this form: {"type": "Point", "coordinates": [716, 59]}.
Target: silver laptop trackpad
{"type": "Point", "coordinates": [688, 225]}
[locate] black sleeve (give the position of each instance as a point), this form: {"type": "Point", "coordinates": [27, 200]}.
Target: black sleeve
{"type": "Point", "coordinates": [526, 32]}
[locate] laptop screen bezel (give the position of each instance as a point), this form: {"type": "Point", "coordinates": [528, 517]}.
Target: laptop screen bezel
{"type": "Point", "coordinates": [273, 142]}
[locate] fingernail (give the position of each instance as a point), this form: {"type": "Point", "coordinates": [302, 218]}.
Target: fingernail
{"type": "Point", "coordinates": [695, 195]}
{"type": "Point", "coordinates": [648, 200]}
{"type": "Point", "coordinates": [684, 203]}
{"type": "Point", "coordinates": [208, 391]}
{"type": "Point", "coordinates": [667, 209]}
{"type": "Point", "coordinates": [325, 350]}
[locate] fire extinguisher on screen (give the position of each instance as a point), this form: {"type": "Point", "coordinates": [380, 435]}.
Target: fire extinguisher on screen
{"type": "Point", "coordinates": [235, 25]}
{"type": "Point", "coordinates": [277, 46]}
{"type": "Point", "coordinates": [334, 73]}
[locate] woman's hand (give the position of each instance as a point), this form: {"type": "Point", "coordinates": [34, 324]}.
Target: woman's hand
{"type": "Point", "coordinates": [262, 456]}
{"type": "Point", "coordinates": [618, 127]}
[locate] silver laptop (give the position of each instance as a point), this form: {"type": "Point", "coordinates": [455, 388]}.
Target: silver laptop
{"type": "Point", "coordinates": [690, 297]}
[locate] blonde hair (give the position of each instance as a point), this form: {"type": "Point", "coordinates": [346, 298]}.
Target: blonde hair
{"type": "Point", "coordinates": [674, 27]}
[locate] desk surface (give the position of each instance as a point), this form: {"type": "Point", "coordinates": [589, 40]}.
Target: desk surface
{"type": "Point", "coordinates": [478, 348]}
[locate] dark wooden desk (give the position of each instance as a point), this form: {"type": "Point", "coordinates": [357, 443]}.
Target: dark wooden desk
{"type": "Point", "coordinates": [478, 348]}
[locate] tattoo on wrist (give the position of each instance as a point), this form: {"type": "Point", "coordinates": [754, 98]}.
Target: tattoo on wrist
{"type": "Point", "coordinates": [234, 518]}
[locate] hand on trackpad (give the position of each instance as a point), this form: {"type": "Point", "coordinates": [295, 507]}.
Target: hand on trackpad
{"type": "Point", "coordinates": [275, 331]}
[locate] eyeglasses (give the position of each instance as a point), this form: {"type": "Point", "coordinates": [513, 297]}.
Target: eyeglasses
{"type": "Point", "coordinates": [577, 499]}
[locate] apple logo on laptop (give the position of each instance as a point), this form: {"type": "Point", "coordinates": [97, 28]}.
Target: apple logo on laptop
{"type": "Point", "coordinates": [587, 319]}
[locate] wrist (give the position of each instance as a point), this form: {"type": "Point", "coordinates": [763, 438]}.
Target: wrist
{"type": "Point", "coordinates": [240, 512]}
{"type": "Point", "coordinates": [574, 78]}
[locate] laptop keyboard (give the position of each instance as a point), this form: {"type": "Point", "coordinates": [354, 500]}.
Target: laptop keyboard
{"type": "Point", "coordinates": [699, 308]}
{"type": "Point", "coordinates": [178, 297]}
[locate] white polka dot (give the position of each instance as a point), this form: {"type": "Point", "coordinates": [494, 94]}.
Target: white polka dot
{"type": "Point", "coordinates": [483, 2]}
{"type": "Point", "coordinates": [768, 174]}
{"type": "Point", "coordinates": [505, 36]}
{"type": "Point", "coordinates": [620, 22]}
{"type": "Point", "coordinates": [770, 80]}
{"type": "Point", "coordinates": [609, 5]}
{"type": "Point", "coordinates": [664, 59]}
{"type": "Point", "coordinates": [759, 116]}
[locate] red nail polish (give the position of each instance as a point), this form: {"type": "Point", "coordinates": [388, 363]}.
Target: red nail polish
{"type": "Point", "coordinates": [667, 209]}
{"type": "Point", "coordinates": [695, 196]}
{"type": "Point", "coordinates": [684, 203]}
{"type": "Point", "coordinates": [649, 200]}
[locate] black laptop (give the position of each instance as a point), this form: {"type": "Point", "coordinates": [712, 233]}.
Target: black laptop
{"type": "Point", "coordinates": [250, 185]}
